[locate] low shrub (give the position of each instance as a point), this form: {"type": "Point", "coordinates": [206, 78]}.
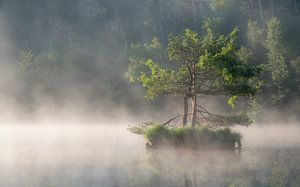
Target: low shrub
{"type": "Point", "coordinates": [192, 137]}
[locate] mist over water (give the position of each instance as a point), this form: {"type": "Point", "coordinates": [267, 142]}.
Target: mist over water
{"type": "Point", "coordinates": [66, 156]}
{"type": "Point", "coordinates": [87, 155]}
{"type": "Point", "coordinates": [66, 103]}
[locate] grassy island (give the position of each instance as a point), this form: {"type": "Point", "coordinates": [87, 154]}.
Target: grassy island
{"type": "Point", "coordinates": [192, 137]}
{"type": "Point", "coordinates": [160, 136]}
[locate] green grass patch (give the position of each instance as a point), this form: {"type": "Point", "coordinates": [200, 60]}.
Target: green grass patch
{"type": "Point", "coordinates": [192, 137]}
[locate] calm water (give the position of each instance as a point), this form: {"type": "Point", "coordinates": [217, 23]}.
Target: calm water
{"type": "Point", "coordinates": [88, 156]}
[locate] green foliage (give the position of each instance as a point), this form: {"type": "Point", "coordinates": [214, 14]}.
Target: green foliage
{"type": "Point", "coordinates": [157, 134]}
{"type": "Point", "coordinates": [139, 54]}
{"type": "Point", "coordinates": [214, 59]}
{"type": "Point", "coordinates": [200, 137]}
{"type": "Point", "coordinates": [160, 80]}
{"type": "Point", "coordinates": [140, 129]}
{"type": "Point", "coordinates": [231, 101]}
{"type": "Point", "coordinates": [220, 4]}
{"type": "Point", "coordinates": [270, 50]}
{"type": "Point", "coordinates": [217, 62]}
{"type": "Point", "coordinates": [276, 60]}
{"type": "Point", "coordinates": [255, 34]}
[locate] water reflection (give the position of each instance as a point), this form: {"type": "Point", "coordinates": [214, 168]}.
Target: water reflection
{"type": "Point", "coordinates": [81, 156]}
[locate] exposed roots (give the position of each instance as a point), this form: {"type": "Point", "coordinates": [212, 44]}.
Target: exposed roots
{"type": "Point", "coordinates": [204, 118]}
{"type": "Point", "coordinates": [212, 120]}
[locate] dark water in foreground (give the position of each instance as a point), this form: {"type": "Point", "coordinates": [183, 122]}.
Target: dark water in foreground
{"type": "Point", "coordinates": [103, 156]}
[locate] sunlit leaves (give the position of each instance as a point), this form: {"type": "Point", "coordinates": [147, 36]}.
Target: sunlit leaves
{"type": "Point", "coordinates": [185, 48]}
{"type": "Point", "coordinates": [212, 64]}
{"type": "Point", "coordinates": [231, 101]}
{"type": "Point", "coordinates": [276, 61]}
{"type": "Point", "coordinates": [161, 81]}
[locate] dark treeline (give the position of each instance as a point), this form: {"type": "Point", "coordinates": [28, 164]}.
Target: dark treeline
{"type": "Point", "coordinates": [66, 49]}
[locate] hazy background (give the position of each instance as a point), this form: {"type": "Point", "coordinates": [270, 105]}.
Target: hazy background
{"type": "Point", "coordinates": [67, 58]}
{"type": "Point", "coordinates": [65, 101]}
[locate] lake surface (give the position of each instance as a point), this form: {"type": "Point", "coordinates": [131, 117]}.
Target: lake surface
{"type": "Point", "coordinates": [109, 156]}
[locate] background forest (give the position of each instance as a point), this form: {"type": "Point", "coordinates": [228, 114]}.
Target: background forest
{"type": "Point", "coordinates": [63, 50]}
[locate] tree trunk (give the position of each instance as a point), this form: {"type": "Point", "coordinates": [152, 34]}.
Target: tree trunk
{"type": "Point", "coordinates": [116, 15]}
{"type": "Point", "coordinates": [185, 110]}
{"type": "Point", "coordinates": [194, 112]}
{"type": "Point", "coordinates": [158, 19]}
{"type": "Point", "coordinates": [272, 7]}
{"type": "Point", "coordinates": [261, 10]}
{"type": "Point", "coordinates": [194, 13]}
{"type": "Point", "coordinates": [201, 8]}
{"type": "Point", "coordinates": [194, 95]}
{"type": "Point", "coordinates": [296, 8]}
{"type": "Point", "coordinates": [121, 29]}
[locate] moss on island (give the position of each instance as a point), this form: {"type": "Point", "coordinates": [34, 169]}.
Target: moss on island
{"type": "Point", "coordinates": [192, 137]}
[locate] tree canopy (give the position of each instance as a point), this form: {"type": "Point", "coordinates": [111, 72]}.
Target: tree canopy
{"type": "Point", "coordinates": [211, 64]}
